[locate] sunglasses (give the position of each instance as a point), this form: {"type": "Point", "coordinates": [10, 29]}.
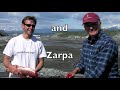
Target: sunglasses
{"type": "Point", "coordinates": [88, 25]}
{"type": "Point", "coordinates": [29, 25]}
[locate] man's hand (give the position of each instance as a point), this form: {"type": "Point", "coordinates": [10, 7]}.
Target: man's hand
{"type": "Point", "coordinates": [72, 74]}
{"type": "Point", "coordinates": [13, 69]}
{"type": "Point", "coordinates": [69, 75]}
{"type": "Point", "coordinates": [7, 70]}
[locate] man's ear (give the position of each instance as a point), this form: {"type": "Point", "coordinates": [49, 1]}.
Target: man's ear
{"type": "Point", "coordinates": [99, 23]}
{"type": "Point", "coordinates": [22, 25]}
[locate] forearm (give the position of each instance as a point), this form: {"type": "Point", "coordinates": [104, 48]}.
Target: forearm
{"type": "Point", "coordinates": [8, 65]}
{"type": "Point", "coordinates": [6, 61]}
{"type": "Point", "coordinates": [40, 65]}
{"type": "Point", "coordinates": [76, 70]}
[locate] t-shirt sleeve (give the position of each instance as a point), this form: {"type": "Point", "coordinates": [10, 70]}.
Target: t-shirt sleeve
{"type": "Point", "coordinates": [8, 50]}
{"type": "Point", "coordinates": [42, 51]}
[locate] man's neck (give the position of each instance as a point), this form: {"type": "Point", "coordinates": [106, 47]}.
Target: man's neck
{"type": "Point", "coordinates": [26, 36]}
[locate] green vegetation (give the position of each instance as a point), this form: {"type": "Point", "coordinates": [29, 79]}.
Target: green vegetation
{"type": "Point", "coordinates": [83, 33]}
{"type": "Point", "coordinates": [112, 32]}
{"type": "Point", "coordinates": [72, 33]}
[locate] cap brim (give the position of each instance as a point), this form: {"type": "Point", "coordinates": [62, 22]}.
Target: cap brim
{"type": "Point", "coordinates": [90, 20]}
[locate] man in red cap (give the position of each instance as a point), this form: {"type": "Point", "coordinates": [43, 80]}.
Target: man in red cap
{"type": "Point", "coordinates": [99, 55]}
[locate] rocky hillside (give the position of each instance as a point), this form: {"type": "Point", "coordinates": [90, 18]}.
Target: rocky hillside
{"type": "Point", "coordinates": [3, 33]}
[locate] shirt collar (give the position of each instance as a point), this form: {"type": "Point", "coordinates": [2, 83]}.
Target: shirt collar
{"type": "Point", "coordinates": [93, 40]}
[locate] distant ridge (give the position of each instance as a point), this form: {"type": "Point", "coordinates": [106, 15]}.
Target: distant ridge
{"type": "Point", "coordinates": [3, 33]}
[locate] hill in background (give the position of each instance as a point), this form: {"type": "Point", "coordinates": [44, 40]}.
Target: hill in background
{"type": "Point", "coordinates": [3, 33]}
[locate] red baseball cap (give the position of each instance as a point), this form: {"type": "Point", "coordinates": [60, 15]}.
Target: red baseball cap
{"type": "Point", "coordinates": [91, 17]}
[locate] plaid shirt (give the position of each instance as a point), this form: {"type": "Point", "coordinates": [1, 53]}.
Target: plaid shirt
{"type": "Point", "coordinates": [99, 57]}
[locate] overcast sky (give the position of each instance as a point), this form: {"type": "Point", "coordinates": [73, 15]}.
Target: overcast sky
{"type": "Point", "coordinates": [12, 20]}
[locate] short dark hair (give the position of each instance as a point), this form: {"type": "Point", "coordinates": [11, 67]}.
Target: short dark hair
{"type": "Point", "coordinates": [29, 18]}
